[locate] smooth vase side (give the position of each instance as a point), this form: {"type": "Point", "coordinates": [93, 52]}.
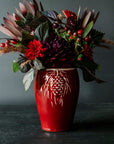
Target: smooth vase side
{"type": "Point", "coordinates": [56, 93]}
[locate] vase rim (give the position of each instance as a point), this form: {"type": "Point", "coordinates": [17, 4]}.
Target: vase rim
{"type": "Point", "coordinates": [54, 69]}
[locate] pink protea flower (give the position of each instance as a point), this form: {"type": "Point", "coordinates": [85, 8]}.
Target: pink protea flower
{"type": "Point", "coordinates": [10, 27]}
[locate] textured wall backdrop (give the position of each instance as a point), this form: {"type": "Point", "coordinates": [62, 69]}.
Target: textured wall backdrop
{"type": "Point", "coordinates": [11, 87]}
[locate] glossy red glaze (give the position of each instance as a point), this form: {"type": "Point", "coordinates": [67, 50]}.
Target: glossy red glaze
{"type": "Point", "coordinates": [56, 93]}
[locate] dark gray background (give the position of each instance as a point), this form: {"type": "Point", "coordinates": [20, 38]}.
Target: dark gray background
{"type": "Point", "coordinates": [11, 87]}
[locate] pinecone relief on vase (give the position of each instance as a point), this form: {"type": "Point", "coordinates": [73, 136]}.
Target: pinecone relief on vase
{"type": "Point", "coordinates": [55, 87]}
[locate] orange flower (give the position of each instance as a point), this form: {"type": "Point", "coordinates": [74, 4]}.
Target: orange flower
{"type": "Point", "coordinates": [68, 14]}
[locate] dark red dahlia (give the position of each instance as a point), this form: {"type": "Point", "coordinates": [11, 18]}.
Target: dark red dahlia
{"type": "Point", "coordinates": [59, 53]}
{"type": "Point", "coordinates": [34, 50]}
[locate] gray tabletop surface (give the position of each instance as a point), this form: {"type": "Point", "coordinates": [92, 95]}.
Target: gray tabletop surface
{"type": "Point", "coordinates": [93, 124]}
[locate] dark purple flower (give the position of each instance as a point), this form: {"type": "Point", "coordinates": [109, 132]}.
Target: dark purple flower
{"type": "Point", "coordinates": [59, 53]}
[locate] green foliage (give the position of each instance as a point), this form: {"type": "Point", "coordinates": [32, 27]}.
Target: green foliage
{"type": "Point", "coordinates": [87, 29]}
{"type": "Point", "coordinates": [20, 23]}
{"type": "Point", "coordinates": [42, 31]}
{"type": "Point", "coordinates": [24, 22]}
{"type": "Point", "coordinates": [15, 66]}
{"type": "Point", "coordinates": [90, 65]}
{"type": "Point", "coordinates": [31, 21]}
{"type": "Point", "coordinates": [97, 36]}
{"type": "Point", "coordinates": [37, 21]}
{"type": "Point", "coordinates": [87, 76]}
{"type": "Point", "coordinates": [26, 37]}
{"type": "Point", "coordinates": [29, 18]}
{"type": "Point", "coordinates": [62, 34]}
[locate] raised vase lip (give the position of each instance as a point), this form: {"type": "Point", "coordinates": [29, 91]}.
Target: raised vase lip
{"type": "Point", "coordinates": [60, 69]}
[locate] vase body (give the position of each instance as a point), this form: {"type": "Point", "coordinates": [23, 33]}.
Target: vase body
{"type": "Point", "coordinates": [56, 93]}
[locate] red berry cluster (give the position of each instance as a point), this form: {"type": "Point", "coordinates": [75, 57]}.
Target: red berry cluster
{"type": "Point", "coordinates": [74, 34]}
{"type": "Point", "coordinates": [88, 52]}
{"type": "Point", "coordinates": [7, 44]}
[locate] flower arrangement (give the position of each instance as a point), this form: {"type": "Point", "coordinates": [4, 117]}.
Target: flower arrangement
{"type": "Point", "coordinates": [47, 39]}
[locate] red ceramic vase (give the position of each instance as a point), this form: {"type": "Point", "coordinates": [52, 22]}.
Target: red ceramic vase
{"type": "Point", "coordinates": [56, 93]}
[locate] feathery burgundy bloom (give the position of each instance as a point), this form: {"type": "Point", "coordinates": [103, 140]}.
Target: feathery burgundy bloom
{"type": "Point", "coordinates": [59, 53]}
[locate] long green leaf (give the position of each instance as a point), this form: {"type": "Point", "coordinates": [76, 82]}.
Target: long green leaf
{"type": "Point", "coordinates": [15, 66]}
{"type": "Point", "coordinates": [87, 29]}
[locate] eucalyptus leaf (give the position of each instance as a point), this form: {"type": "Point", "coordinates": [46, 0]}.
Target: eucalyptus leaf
{"type": "Point", "coordinates": [15, 66]}
{"type": "Point", "coordinates": [28, 78]}
{"type": "Point", "coordinates": [87, 29]}
{"type": "Point", "coordinates": [42, 31]}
